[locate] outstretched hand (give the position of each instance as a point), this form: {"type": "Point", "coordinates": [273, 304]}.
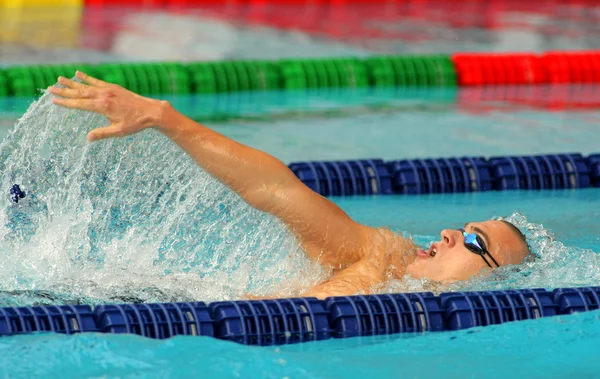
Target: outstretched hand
{"type": "Point", "coordinates": [127, 112]}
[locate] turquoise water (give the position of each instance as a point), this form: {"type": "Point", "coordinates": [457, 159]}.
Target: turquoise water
{"type": "Point", "coordinates": [136, 220]}
{"type": "Point", "coordinates": [384, 123]}
{"type": "Point", "coordinates": [557, 347]}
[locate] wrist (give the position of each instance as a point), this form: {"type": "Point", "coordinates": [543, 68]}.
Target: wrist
{"type": "Point", "coordinates": [162, 115]}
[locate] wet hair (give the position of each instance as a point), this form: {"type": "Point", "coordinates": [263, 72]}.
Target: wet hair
{"type": "Point", "coordinates": [521, 236]}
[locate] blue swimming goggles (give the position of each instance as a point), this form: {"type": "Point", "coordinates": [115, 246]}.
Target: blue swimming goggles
{"type": "Point", "coordinates": [476, 245]}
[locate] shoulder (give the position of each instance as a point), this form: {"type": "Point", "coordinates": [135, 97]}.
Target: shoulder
{"type": "Point", "coordinates": [394, 251]}
{"type": "Point", "coordinates": [383, 241]}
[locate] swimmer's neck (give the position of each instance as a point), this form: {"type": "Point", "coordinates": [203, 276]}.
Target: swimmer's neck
{"type": "Point", "coordinates": [403, 254]}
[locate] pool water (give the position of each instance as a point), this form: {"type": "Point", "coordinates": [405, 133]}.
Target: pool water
{"type": "Point", "coordinates": [556, 347]}
{"type": "Point", "coordinates": [136, 220]}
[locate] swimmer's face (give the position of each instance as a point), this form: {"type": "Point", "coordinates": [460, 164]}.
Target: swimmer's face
{"type": "Point", "coordinates": [448, 260]}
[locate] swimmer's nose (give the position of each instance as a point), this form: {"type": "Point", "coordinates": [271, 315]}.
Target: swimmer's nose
{"type": "Point", "coordinates": [449, 237]}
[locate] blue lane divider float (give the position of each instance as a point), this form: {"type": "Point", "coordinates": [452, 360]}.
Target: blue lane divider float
{"type": "Point", "coordinates": [560, 171]}
{"type": "Point", "coordinates": [449, 175]}
{"type": "Point", "coordinates": [288, 321]}
{"type": "Point", "coordinates": [67, 319]}
{"type": "Point", "coordinates": [343, 178]}
{"type": "Point", "coordinates": [271, 322]}
{"type": "Point", "coordinates": [353, 316]}
{"type": "Point", "coordinates": [594, 164]}
{"type": "Point", "coordinates": [465, 310]}
{"type": "Point", "coordinates": [574, 300]}
{"type": "Point", "coordinates": [156, 320]}
{"type": "Point", "coordinates": [442, 175]}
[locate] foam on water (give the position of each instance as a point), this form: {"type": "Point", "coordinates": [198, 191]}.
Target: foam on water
{"type": "Point", "coordinates": [130, 219]}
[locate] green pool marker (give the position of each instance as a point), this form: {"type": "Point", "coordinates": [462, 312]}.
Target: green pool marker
{"type": "Point", "coordinates": [254, 84]}
{"type": "Point", "coordinates": [38, 78]}
{"type": "Point", "coordinates": [71, 69]}
{"type": "Point", "coordinates": [403, 73]}
{"type": "Point", "coordinates": [293, 75]}
{"type": "Point", "coordinates": [421, 69]}
{"type": "Point", "coordinates": [170, 80]}
{"type": "Point", "coordinates": [411, 73]}
{"type": "Point", "coordinates": [430, 71]}
{"type": "Point", "coordinates": [130, 77]}
{"type": "Point", "coordinates": [100, 71]}
{"type": "Point", "coordinates": [203, 79]}
{"type": "Point", "coordinates": [322, 73]}
{"type": "Point", "coordinates": [178, 78]}
{"type": "Point", "coordinates": [312, 74]}
{"type": "Point", "coordinates": [48, 72]}
{"type": "Point", "coordinates": [333, 74]}
{"type": "Point", "coordinates": [113, 73]}
{"type": "Point", "coordinates": [243, 76]}
{"type": "Point", "coordinates": [271, 74]}
{"type": "Point", "coordinates": [220, 77]}
{"type": "Point", "coordinates": [3, 84]}
{"type": "Point", "coordinates": [204, 82]}
{"type": "Point", "coordinates": [380, 72]}
{"type": "Point", "coordinates": [153, 79]}
{"type": "Point", "coordinates": [22, 87]}
{"type": "Point", "coordinates": [163, 78]}
{"type": "Point", "coordinates": [20, 81]}
{"type": "Point", "coordinates": [445, 70]}
{"type": "Point", "coordinates": [357, 70]}
{"type": "Point", "coordinates": [344, 74]}
{"type": "Point", "coordinates": [232, 77]}
{"type": "Point", "coordinates": [55, 71]}
{"type": "Point", "coordinates": [141, 78]}
{"type": "Point", "coordinates": [59, 70]}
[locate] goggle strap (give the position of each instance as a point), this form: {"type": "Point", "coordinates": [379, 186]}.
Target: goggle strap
{"type": "Point", "coordinates": [496, 263]}
{"type": "Point", "coordinates": [485, 260]}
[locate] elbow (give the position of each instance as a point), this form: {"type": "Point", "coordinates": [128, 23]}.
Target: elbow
{"type": "Point", "coordinates": [265, 197]}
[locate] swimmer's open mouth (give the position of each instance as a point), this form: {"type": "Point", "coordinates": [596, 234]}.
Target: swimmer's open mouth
{"type": "Point", "coordinates": [430, 253]}
{"type": "Point", "coordinates": [432, 250]}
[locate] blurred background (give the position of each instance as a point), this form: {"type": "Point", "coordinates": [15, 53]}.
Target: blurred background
{"type": "Point", "coordinates": [52, 32]}
{"type": "Point", "coordinates": [55, 31]}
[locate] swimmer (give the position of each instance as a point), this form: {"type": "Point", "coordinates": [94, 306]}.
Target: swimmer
{"type": "Point", "coordinates": [360, 257]}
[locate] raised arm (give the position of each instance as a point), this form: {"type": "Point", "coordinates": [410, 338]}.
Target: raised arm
{"type": "Point", "coordinates": [326, 233]}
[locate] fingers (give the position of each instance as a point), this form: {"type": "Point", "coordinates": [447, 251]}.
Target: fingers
{"type": "Point", "coordinates": [106, 132]}
{"type": "Point", "coordinates": [86, 78]}
{"type": "Point", "coordinates": [90, 80]}
{"type": "Point", "coordinates": [82, 104]}
{"type": "Point", "coordinates": [82, 92]}
{"type": "Point", "coordinates": [70, 83]}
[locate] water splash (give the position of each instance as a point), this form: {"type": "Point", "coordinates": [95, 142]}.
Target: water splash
{"type": "Point", "coordinates": [131, 219]}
